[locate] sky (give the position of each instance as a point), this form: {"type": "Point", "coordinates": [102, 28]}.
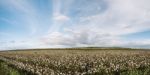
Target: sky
{"type": "Point", "coordinates": [74, 23]}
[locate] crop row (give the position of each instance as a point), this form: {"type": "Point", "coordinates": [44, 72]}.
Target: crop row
{"type": "Point", "coordinates": [78, 62]}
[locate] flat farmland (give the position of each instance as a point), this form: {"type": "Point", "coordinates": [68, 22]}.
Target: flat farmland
{"type": "Point", "coordinates": [75, 62]}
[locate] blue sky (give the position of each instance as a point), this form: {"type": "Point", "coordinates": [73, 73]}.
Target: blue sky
{"type": "Point", "coordinates": [74, 23]}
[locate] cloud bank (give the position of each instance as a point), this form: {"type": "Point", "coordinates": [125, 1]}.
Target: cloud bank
{"type": "Point", "coordinates": [104, 22]}
{"type": "Point", "coordinates": [77, 23]}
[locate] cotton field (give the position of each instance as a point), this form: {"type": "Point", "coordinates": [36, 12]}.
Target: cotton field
{"type": "Point", "coordinates": [78, 62]}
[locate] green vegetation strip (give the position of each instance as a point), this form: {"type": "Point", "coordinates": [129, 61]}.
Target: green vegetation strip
{"type": "Point", "coordinates": [7, 69]}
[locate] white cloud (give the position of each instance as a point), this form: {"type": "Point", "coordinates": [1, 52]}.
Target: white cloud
{"type": "Point", "coordinates": [85, 38]}
{"type": "Point", "coordinates": [57, 38]}
{"type": "Point", "coordinates": [121, 17]}
{"type": "Point", "coordinates": [107, 28]}
{"type": "Point", "coordinates": [81, 37]}
{"type": "Point", "coordinates": [60, 18]}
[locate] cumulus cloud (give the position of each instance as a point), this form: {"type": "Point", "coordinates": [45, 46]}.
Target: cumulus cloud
{"type": "Point", "coordinates": [107, 26]}
{"type": "Point", "coordinates": [60, 18]}
{"type": "Point", "coordinates": [83, 37]}
{"type": "Point", "coordinates": [57, 38]}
